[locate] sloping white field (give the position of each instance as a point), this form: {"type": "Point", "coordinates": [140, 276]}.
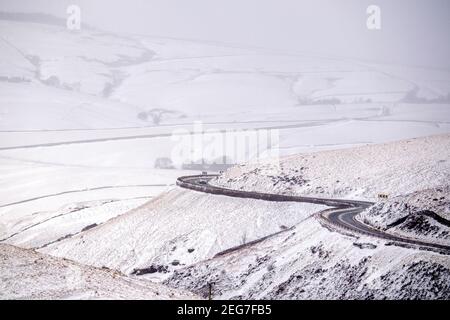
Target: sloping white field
{"type": "Point", "coordinates": [430, 84]}
{"type": "Point", "coordinates": [33, 106]}
{"type": "Point", "coordinates": [181, 226]}
{"type": "Point", "coordinates": [228, 93]}
{"type": "Point", "coordinates": [73, 60]}
{"type": "Point", "coordinates": [13, 65]}
{"type": "Point", "coordinates": [192, 80]}
{"type": "Point", "coordinates": [394, 168]}
{"type": "Point", "coordinates": [174, 49]}
{"type": "Point", "coordinates": [239, 83]}
{"type": "Point", "coordinates": [45, 227]}
{"type": "Point", "coordinates": [27, 274]}
{"type": "Point", "coordinates": [39, 199]}
{"type": "Point", "coordinates": [372, 130]}
{"type": "Point", "coordinates": [363, 86]}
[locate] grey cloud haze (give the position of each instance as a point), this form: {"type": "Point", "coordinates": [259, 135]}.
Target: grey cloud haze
{"type": "Point", "coordinates": [414, 32]}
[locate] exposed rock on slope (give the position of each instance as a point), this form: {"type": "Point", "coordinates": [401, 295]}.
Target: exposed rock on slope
{"type": "Point", "coordinates": [313, 263]}
{"type": "Point", "coordinates": [421, 214]}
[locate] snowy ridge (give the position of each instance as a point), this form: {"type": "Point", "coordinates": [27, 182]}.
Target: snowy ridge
{"type": "Point", "coordinates": [357, 173]}
{"type": "Point", "coordinates": [27, 274]}
{"type": "Point", "coordinates": [423, 214]}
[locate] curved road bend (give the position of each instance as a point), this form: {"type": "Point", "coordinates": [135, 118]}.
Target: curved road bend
{"type": "Point", "coordinates": [341, 216]}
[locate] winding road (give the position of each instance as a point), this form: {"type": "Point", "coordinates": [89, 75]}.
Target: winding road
{"type": "Point", "coordinates": [342, 215]}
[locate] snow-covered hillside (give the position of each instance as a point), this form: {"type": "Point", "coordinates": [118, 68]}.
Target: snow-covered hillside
{"type": "Point", "coordinates": [423, 214]}
{"type": "Point", "coordinates": [395, 168]}
{"type": "Point", "coordinates": [312, 262]}
{"type": "Point", "coordinates": [178, 229]}
{"type": "Point", "coordinates": [86, 116]}
{"type": "Point", "coordinates": [27, 274]}
{"type": "Point", "coordinates": [413, 173]}
{"type": "Point", "coordinates": [176, 236]}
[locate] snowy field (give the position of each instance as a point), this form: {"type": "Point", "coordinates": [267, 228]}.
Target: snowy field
{"type": "Point", "coordinates": [85, 116]}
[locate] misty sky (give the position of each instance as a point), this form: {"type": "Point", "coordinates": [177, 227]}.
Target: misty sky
{"type": "Point", "coordinates": [414, 32]}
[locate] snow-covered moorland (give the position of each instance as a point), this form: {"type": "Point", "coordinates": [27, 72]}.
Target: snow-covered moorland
{"type": "Point", "coordinates": [395, 168]}
{"type": "Point", "coordinates": [175, 237]}
{"type": "Point", "coordinates": [424, 214]}
{"type": "Point", "coordinates": [177, 229]}
{"type": "Point", "coordinates": [86, 115]}
{"type": "Point", "coordinates": [313, 262]}
{"type": "Point", "coordinates": [27, 274]}
{"type": "Point", "coordinates": [413, 173]}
